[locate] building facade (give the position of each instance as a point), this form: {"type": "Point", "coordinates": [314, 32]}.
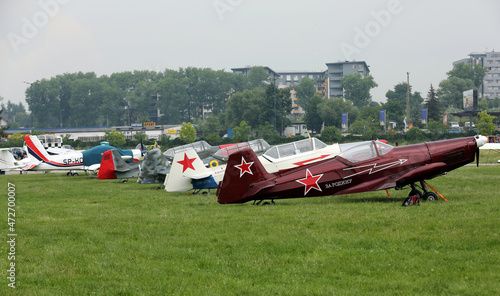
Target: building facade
{"type": "Point", "coordinates": [338, 70]}
{"type": "Point", "coordinates": [289, 78]}
{"type": "Point", "coordinates": [491, 61]}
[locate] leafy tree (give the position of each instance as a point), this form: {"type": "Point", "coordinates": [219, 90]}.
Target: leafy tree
{"type": "Point", "coordinates": [242, 132]}
{"type": "Point", "coordinates": [246, 106]}
{"type": "Point", "coordinates": [65, 138]}
{"type": "Point", "coordinates": [174, 98]}
{"type": "Point", "coordinates": [432, 105]}
{"type": "Point", "coordinates": [187, 133]}
{"type": "Point", "coordinates": [485, 125]}
{"type": "Point", "coordinates": [330, 111]}
{"type": "Point", "coordinates": [483, 104]}
{"type": "Point", "coordinates": [212, 125]}
{"type": "Point", "coordinates": [213, 139]}
{"type": "Point", "coordinates": [2, 129]}
{"type": "Point", "coordinates": [461, 78]}
{"type": "Point", "coordinates": [312, 117]}
{"type": "Point", "coordinates": [357, 89]}
{"type": "Point", "coordinates": [257, 76]}
{"type": "Point", "coordinates": [266, 131]}
{"type": "Point", "coordinates": [115, 138]}
{"type": "Point", "coordinates": [306, 89]}
{"type": "Point", "coordinates": [16, 114]}
{"type": "Point", "coordinates": [16, 140]}
{"type": "Point", "coordinates": [279, 101]}
{"type": "Point", "coordinates": [450, 92]}
{"type": "Point", "coordinates": [415, 135]}
{"type": "Point", "coordinates": [331, 134]}
{"type": "Point", "coordinates": [474, 73]}
{"type": "Point", "coordinates": [495, 103]}
{"type": "Point", "coordinates": [400, 95]}
{"type": "Point", "coordinates": [368, 127]}
{"type": "Point", "coordinates": [370, 111]}
{"type": "Point", "coordinates": [140, 136]}
{"type": "Point", "coordinates": [11, 109]}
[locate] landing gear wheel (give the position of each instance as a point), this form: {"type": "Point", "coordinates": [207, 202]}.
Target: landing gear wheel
{"type": "Point", "coordinates": [68, 174]}
{"type": "Point", "coordinates": [75, 174]}
{"type": "Point", "coordinates": [430, 196]}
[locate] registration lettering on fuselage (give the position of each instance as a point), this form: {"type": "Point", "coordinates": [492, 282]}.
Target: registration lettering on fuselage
{"type": "Point", "coordinates": [338, 183]}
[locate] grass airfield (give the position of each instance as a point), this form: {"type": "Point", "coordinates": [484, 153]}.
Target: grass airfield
{"type": "Point", "coordinates": [82, 236]}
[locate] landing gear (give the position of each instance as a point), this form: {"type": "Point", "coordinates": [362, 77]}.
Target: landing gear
{"type": "Point", "coordinates": [70, 173]}
{"type": "Point", "coordinates": [415, 195]}
{"type": "Point", "coordinates": [428, 195]}
{"type": "Point", "coordinates": [415, 191]}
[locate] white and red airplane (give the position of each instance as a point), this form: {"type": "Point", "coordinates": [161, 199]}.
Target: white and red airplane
{"type": "Point", "coordinates": [188, 172]}
{"type": "Point", "coordinates": [41, 160]}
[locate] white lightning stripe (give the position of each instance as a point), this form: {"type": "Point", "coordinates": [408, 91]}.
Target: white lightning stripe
{"type": "Point", "coordinates": [374, 166]}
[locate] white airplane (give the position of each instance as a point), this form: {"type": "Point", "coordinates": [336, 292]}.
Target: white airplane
{"type": "Point", "coordinates": [188, 171]}
{"type": "Point", "coordinates": [88, 160]}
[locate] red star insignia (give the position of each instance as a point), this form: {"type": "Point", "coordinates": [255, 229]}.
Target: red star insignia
{"type": "Point", "coordinates": [310, 181]}
{"type": "Point", "coordinates": [244, 167]}
{"type": "Point", "coordinates": [187, 163]}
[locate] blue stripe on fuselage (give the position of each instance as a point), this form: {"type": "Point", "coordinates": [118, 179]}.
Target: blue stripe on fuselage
{"type": "Point", "coordinates": [205, 183]}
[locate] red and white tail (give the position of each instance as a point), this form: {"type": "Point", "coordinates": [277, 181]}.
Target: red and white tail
{"type": "Point", "coordinates": [107, 168]}
{"type": "Point", "coordinates": [242, 172]}
{"type": "Point", "coordinates": [36, 149]}
{"type": "Point", "coordinates": [186, 165]}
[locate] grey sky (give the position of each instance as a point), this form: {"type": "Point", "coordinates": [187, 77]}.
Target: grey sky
{"type": "Point", "coordinates": [43, 38]}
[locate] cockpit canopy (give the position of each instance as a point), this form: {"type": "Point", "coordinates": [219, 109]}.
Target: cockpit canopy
{"type": "Point", "coordinates": [294, 148]}
{"type": "Point", "coordinates": [355, 152]}
{"type": "Point", "coordinates": [196, 146]}
{"type": "Point", "coordinates": [258, 146]}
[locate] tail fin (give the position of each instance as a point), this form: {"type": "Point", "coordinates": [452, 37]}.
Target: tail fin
{"type": "Point", "coordinates": [7, 160]}
{"type": "Point", "coordinates": [154, 168]}
{"type": "Point", "coordinates": [107, 168]}
{"type": "Point", "coordinates": [36, 149]}
{"type": "Point", "coordinates": [242, 172]}
{"type": "Point", "coordinates": [186, 165]}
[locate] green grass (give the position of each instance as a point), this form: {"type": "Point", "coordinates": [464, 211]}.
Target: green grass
{"type": "Point", "coordinates": [489, 156]}
{"type": "Point", "coordinates": [82, 236]}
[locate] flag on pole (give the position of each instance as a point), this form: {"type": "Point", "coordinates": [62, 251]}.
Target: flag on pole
{"type": "Point", "coordinates": [445, 119]}
{"type": "Point", "coordinates": [424, 115]}
{"type": "Point", "coordinates": [382, 117]}
{"type": "Point", "coordinates": [344, 120]}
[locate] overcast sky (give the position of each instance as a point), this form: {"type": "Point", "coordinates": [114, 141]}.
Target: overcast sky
{"type": "Point", "coordinates": [43, 38]}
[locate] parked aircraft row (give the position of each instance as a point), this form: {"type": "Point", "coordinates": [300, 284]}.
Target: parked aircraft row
{"type": "Point", "coordinates": [255, 171]}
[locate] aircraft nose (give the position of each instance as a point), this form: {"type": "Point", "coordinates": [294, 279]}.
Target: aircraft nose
{"type": "Point", "coordinates": [481, 140]}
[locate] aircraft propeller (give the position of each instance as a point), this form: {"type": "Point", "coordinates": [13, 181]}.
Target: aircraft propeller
{"type": "Point", "coordinates": [477, 156]}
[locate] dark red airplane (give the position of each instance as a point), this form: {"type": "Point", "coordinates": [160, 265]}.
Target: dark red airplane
{"type": "Point", "coordinates": [361, 167]}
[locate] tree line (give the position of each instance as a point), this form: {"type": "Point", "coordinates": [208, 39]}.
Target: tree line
{"type": "Point", "coordinates": [233, 100]}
